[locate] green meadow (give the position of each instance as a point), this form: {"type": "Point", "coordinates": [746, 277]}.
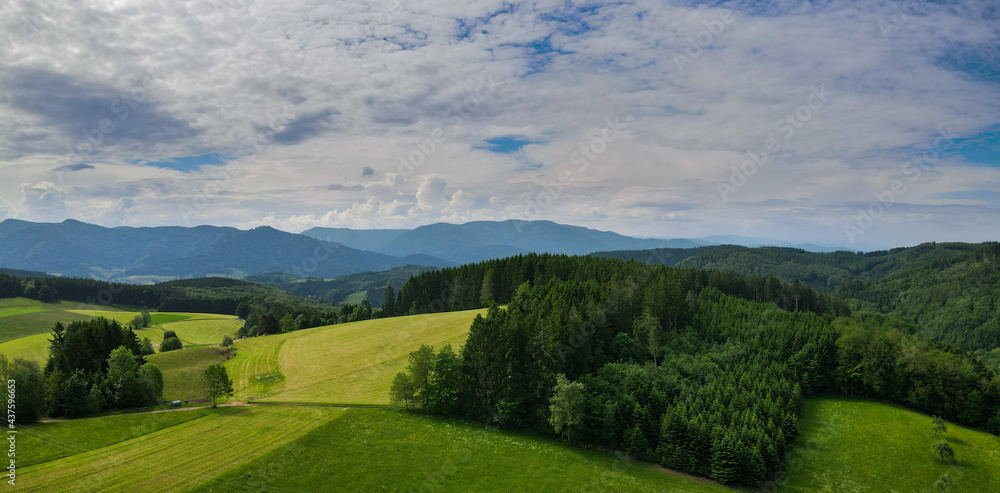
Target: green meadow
{"type": "Point", "coordinates": [182, 371]}
{"type": "Point", "coordinates": [23, 317]}
{"type": "Point", "coordinates": [387, 450]}
{"type": "Point", "coordinates": [351, 363]}
{"type": "Point", "coordinates": [858, 445]}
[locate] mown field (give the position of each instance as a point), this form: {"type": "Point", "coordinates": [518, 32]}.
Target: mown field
{"type": "Point", "coordinates": [25, 325]}
{"type": "Point", "coordinates": [169, 457]}
{"type": "Point", "coordinates": [23, 317]}
{"type": "Point", "coordinates": [191, 328]}
{"type": "Point", "coordinates": [385, 450]}
{"type": "Point", "coordinates": [310, 448]}
{"type": "Point", "coordinates": [351, 363]}
{"type": "Point", "coordinates": [856, 445]}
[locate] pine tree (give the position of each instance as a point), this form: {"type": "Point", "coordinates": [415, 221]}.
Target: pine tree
{"type": "Point", "coordinates": [725, 464]}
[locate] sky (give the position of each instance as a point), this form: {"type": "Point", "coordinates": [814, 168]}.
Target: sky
{"type": "Point", "coordinates": [832, 121]}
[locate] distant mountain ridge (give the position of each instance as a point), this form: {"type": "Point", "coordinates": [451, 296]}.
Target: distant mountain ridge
{"type": "Point", "coordinates": [150, 254]}
{"type": "Point", "coordinates": [73, 248]}
{"type": "Point", "coordinates": [483, 240]}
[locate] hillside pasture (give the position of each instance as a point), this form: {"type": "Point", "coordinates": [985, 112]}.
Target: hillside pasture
{"type": "Point", "coordinates": [351, 363]}
{"type": "Point", "coordinates": [50, 441]}
{"type": "Point", "coordinates": [385, 450]}
{"type": "Point", "coordinates": [174, 458]}
{"type": "Point", "coordinates": [194, 328]}
{"type": "Point", "coordinates": [182, 370]}
{"type": "Point", "coordinates": [857, 445]}
{"type": "Point", "coordinates": [34, 348]}
{"type": "Point", "coordinates": [23, 317]}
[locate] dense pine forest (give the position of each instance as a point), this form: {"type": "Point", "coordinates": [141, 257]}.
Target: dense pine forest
{"type": "Point", "coordinates": [701, 371]}
{"type": "Point", "coordinates": [950, 291]}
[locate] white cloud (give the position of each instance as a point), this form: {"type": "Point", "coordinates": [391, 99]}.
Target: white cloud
{"type": "Point", "coordinates": [344, 86]}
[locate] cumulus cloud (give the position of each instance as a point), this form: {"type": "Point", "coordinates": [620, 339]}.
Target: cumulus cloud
{"type": "Point", "coordinates": [635, 112]}
{"type": "Point", "coordinates": [43, 201]}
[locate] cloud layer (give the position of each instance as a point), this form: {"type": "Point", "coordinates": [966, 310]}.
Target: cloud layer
{"type": "Point", "coordinates": [810, 121]}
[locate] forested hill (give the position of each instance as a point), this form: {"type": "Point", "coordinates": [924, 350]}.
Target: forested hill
{"type": "Point", "coordinates": [496, 281]}
{"type": "Point", "coordinates": [208, 295]}
{"type": "Point", "coordinates": [949, 290]}
{"type": "Point", "coordinates": [698, 370]}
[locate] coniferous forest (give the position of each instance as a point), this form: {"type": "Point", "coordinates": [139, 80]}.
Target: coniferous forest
{"type": "Point", "coordinates": [700, 371]}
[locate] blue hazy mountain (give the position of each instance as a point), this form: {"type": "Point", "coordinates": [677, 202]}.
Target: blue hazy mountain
{"type": "Point", "coordinates": [73, 248]}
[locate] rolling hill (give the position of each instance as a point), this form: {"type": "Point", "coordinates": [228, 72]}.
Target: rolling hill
{"type": "Point", "coordinates": [948, 290]}
{"type": "Point", "coordinates": [350, 363]}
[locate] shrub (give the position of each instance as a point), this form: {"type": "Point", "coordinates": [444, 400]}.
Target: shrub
{"type": "Point", "coordinates": [171, 344]}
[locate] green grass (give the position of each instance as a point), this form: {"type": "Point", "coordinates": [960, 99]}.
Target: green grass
{"type": "Point", "coordinates": [23, 317]}
{"type": "Point", "coordinates": [194, 328]}
{"type": "Point", "coordinates": [34, 348]}
{"type": "Point", "coordinates": [855, 445]}
{"type": "Point", "coordinates": [356, 298]}
{"type": "Point", "coordinates": [178, 457]}
{"type": "Point", "coordinates": [350, 363]}
{"type": "Point", "coordinates": [50, 441]}
{"type": "Point", "coordinates": [182, 371]}
{"type": "Point", "coordinates": [384, 450]}
{"type": "Point", "coordinates": [162, 318]}
{"type": "Point", "coordinates": [122, 317]}
{"type": "Point", "coordinates": [21, 310]}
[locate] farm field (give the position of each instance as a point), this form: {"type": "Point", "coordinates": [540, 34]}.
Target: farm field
{"type": "Point", "coordinates": [25, 325]}
{"type": "Point", "coordinates": [385, 450]}
{"type": "Point", "coordinates": [23, 317]}
{"type": "Point", "coordinates": [182, 370]}
{"type": "Point", "coordinates": [50, 441]}
{"type": "Point", "coordinates": [171, 458]}
{"type": "Point", "coordinates": [351, 363]}
{"type": "Point", "coordinates": [193, 329]}
{"type": "Point", "coordinates": [857, 445]}
{"type": "Point", "coordinates": [33, 348]}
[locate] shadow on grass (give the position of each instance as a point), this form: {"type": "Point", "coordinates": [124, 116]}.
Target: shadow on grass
{"type": "Point", "coordinates": [956, 441]}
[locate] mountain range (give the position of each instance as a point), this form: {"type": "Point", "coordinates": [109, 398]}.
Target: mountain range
{"type": "Point", "coordinates": [149, 254]}
{"type": "Point", "coordinates": [73, 248]}
{"type": "Point", "coordinates": [481, 240]}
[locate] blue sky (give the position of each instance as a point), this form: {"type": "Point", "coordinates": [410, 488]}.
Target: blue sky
{"type": "Point", "coordinates": [185, 164]}
{"type": "Point", "coordinates": [644, 117]}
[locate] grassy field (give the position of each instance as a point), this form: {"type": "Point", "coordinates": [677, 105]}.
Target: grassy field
{"type": "Point", "coordinates": [350, 363]}
{"type": "Point", "coordinates": [182, 371]}
{"type": "Point", "coordinates": [193, 329]}
{"type": "Point", "coordinates": [50, 441]}
{"type": "Point", "coordinates": [35, 348]}
{"type": "Point", "coordinates": [173, 458]}
{"type": "Point", "coordinates": [23, 317]}
{"type": "Point", "coordinates": [855, 445]}
{"type": "Point", "coordinates": [383, 450]}
{"type": "Point", "coordinates": [25, 325]}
